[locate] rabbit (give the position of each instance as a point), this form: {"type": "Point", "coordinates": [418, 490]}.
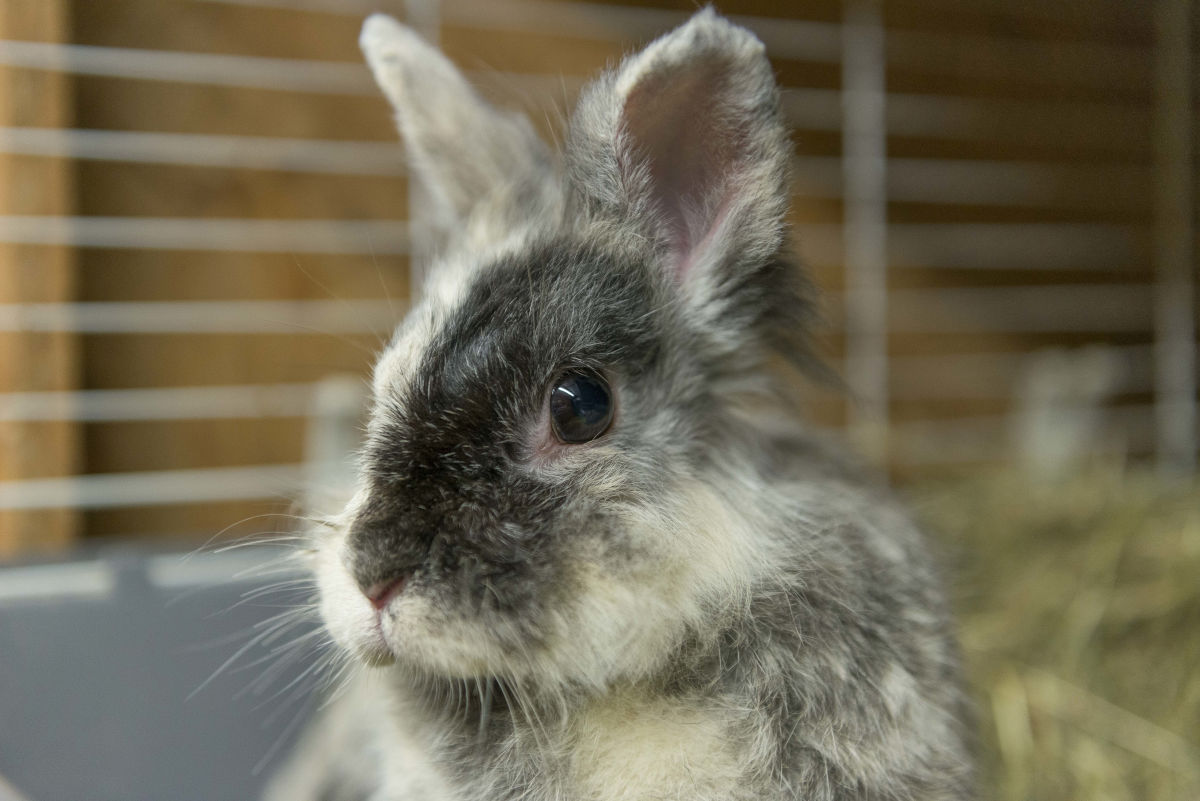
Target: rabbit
{"type": "Point", "coordinates": [593, 552]}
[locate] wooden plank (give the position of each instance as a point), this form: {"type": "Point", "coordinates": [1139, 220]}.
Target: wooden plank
{"type": "Point", "coordinates": [36, 361]}
{"type": "Point", "coordinates": [149, 275]}
{"type": "Point", "coordinates": [141, 105]}
{"type": "Point", "coordinates": [121, 361]}
{"type": "Point", "coordinates": [188, 525]}
{"type": "Point", "coordinates": [1117, 21]}
{"type": "Point", "coordinates": [218, 28]}
{"type": "Point", "coordinates": [183, 444]}
{"type": "Point", "coordinates": [156, 190]}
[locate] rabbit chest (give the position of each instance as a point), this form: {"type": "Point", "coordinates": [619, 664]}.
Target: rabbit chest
{"type": "Point", "coordinates": [631, 746]}
{"type": "Point", "coordinates": [625, 746]}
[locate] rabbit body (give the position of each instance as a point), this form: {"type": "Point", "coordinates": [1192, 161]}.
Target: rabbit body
{"type": "Point", "coordinates": [703, 600]}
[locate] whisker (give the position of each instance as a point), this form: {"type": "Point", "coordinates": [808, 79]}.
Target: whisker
{"type": "Point", "coordinates": [205, 546]}
{"type": "Point", "coordinates": [274, 657]}
{"type": "Point", "coordinates": [314, 667]}
{"type": "Point", "coordinates": [334, 295]}
{"type": "Point", "coordinates": [260, 638]}
{"type": "Point", "coordinates": [287, 732]}
{"type": "Point", "coordinates": [379, 274]}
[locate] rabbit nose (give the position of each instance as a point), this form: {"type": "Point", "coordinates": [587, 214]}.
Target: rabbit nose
{"type": "Point", "coordinates": [382, 592]}
{"type": "Point", "coordinates": [381, 557]}
{"type": "Point", "coordinates": [380, 580]}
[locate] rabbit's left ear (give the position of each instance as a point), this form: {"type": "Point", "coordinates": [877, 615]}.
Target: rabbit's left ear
{"type": "Point", "coordinates": [484, 169]}
{"type": "Point", "coordinates": [688, 134]}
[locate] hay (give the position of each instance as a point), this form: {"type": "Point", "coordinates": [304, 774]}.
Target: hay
{"type": "Point", "coordinates": [1080, 612]}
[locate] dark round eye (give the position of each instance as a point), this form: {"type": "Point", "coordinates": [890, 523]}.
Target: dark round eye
{"type": "Point", "coordinates": [581, 407]}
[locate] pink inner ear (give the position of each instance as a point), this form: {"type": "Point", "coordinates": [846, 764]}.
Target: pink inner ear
{"type": "Point", "coordinates": [686, 124]}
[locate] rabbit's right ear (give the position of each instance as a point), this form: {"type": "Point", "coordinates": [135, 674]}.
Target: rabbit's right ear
{"type": "Point", "coordinates": [484, 170]}
{"type": "Point", "coordinates": [685, 144]}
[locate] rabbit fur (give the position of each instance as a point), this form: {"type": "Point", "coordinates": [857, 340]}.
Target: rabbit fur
{"type": "Point", "coordinates": [704, 603]}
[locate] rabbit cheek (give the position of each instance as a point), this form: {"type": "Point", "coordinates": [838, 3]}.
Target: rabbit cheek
{"type": "Point", "coordinates": [679, 561]}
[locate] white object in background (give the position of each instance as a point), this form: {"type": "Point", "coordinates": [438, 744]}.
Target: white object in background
{"type": "Point", "coordinates": [1059, 422]}
{"type": "Point", "coordinates": [1174, 241]}
{"type": "Point", "coordinates": [331, 444]}
{"type": "Point", "coordinates": [864, 166]}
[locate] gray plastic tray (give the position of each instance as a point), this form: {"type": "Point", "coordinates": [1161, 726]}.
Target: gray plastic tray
{"type": "Point", "coordinates": [105, 666]}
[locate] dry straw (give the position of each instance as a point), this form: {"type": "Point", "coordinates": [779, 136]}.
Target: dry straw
{"type": "Point", "coordinates": [1079, 604]}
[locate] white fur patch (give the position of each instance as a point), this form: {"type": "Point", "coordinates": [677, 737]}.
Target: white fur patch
{"type": "Point", "coordinates": [636, 747]}
{"type": "Point", "coordinates": [348, 615]}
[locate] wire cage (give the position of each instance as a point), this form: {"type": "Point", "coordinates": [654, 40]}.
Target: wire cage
{"type": "Point", "coordinates": [207, 233]}
{"type": "Point", "coordinates": [206, 214]}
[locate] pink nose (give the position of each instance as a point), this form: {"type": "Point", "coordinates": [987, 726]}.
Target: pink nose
{"type": "Point", "coordinates": [381, 592]}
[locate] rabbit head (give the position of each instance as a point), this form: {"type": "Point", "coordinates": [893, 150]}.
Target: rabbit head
{"type": "Point", "coordinates": [554, 488]}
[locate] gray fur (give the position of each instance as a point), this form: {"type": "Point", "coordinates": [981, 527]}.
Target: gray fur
{"type": "Point", "coordinates": [704, 603]}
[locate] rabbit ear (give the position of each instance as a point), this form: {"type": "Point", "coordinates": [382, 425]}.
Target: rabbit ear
{"type": "Point", "coordinates": [688, 134]}
{"type": "Point", "coordinates": [484, 170]}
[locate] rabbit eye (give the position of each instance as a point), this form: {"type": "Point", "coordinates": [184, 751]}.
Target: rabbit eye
{"type": "Point", "coordinates": [581, 407]}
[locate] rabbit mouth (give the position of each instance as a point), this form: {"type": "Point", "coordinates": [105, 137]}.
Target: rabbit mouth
{"type": "Point", "coordinates": [373, 649]}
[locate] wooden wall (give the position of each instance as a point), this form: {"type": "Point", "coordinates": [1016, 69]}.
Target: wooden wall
{"type": "Point", "coordinates": [1020, 180]}
{"type": "Point", "coordinates": [37, 360]}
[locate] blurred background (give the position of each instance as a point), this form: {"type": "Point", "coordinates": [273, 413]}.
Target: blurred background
{"type": "Point", "coordinates": [205, 237]}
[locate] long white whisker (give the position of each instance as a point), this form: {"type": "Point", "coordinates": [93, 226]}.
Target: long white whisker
{"type": "Point", "coordinates": [261, 637]}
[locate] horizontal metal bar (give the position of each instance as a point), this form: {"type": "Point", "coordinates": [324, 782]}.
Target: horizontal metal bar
{"type": "Point", "coordinates": [208, 317]}
{"type": "Point", "coordinates": [805, 40]}
{"type": "Point", "coordinates": [992, 375]}
{"type": "Point", "coordinates": [981, 182]}
{"type": "Point", "coordinates": [974, 245]}
{"type": "Point", "coordinates": [912, 180]}
{"type": "Point", "coordinates": [968, 118]}
{"type": "Point", "coordinates": [218, 69]}
{"type": "Point", "coordinates": [984, 426]}
{"type": "Point", "coordinates": [1003, 183]}
{"type": "Point", "coordinates": [208, 150]}
{"type": "Point", "coordinates": [1026, 309]}
{"type": "Point", "coordinates": [366, 237]}
{"type": "Point", "coordinates": [309, 76]}
{"type": "Point", "coordinates": [97, 579]}
{"type": "Point", "coordinates": [161, 403]}
{"type": "Point", "coordinates": [1049, 308]}
{"type": "Point", "coordinates": [979, 375]}
{"type": "Point", "coordinates": [988, 438]}
{"type": "Point", "coordinates": [931, 116]}
{"type": "Point", "coordinates": [1025, 246]}
{"type": "Point", "coordinates": [90, 580]}
{"type": "Point", "coordinates": [246, 564]}
{"type": "Point", "coordinates": [955, 118]}
{"type": "Point", "coordinates": [1095, 14]}
{"type": "Point", "coordinates": [991, 246]}
{"type": "Point", "coordinates": [1066, 60]}
{"type": "Point", "coordinates": [1091, 63]}
{"type": "Point", "coordinates": [154, 488]}
{"type": "Point", "coordinates": [785, 38]}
